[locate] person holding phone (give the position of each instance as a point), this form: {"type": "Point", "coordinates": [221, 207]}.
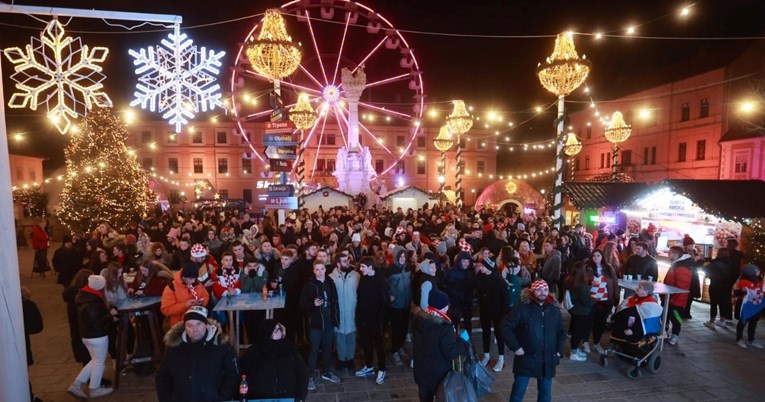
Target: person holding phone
{"type": "Point", "coordinates": [182, 293]}
{"type": "Point", "coordinates": [319, 301]}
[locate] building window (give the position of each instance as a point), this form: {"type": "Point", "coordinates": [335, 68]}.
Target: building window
{"type": "Point", "coordinates": [704, 108]}
{"type": "Point", "coordinates": [681, 150]}
{"type": "Point", "coordinates": [400, 168]}
{"type": "Point", "coordinates": [608, 160]}
{"type": "Point", "coordinates": [221, 137]}
{"type": "Point", "coordinates": [653, 155]}
{"type": "Point", "coordinates": [246, 166]}
{"type": "Point", "coordinates": [145, 137]}
{"type": "Point", "coordinates": [379, 166]}
{"type": "Point", "coordinates": [589, 132]}
{"type": "Point", "coordinates": [198, 166]}
{"type": "Point", "coordinates": [480, 167]}
{"type": "Point", "coordinates": [172, 138]}
{"type": "Point", "coordinates": [421, 141]}
{"type": "Point", "coordinates": [223, 194]}
{"type": "Point", "coordinates": [741, 162]}
{"type": "Point", "coordinates": [463, 145]}
{"type": "Point", "coordinates": [329, 139]}
{"type": "Point", "coordinates": [222, 165]}
{"type": "Point", "coordinates": [420, 166]}
{"type": "Point", "coordinates": [701, 150]}
{"type": "Point", "coordinates": [247, 194]}
{"type": "Point", "coordinates": [330, 165]}
{"type": "Point", "coordinates": [587, 163]}
{"type": "Point", "coordinates": [645, 155]}
{"type": "Point", "coordinates": [627, 157]}
{"type": "Point", "coordinates": [196, 137]}
{"type": "Point", "coordinates": [602, 161]}
{"type": "Point", "coordinates": [174, 196]}
{"type": "Point", "coordinates": [245, 137]}
{"type": "Point", "coordinates": [481, 145]}
{"type": "Point", "coordinates": [400, 141]}
{"type": "Point", "coordinates": [19, 174]}
{"type": "Point", "coordinates": [321, 164]}
{"type": "Point", "coordinates": [32, 175]}
{"type": "Point", "coordinates": [148, 163]}
{"type": "Point", "coordinates": [172, 165]}
{"type": "Point", "coordinates": [576, 164]}
{"type": "Point", "coordinates": [685, 112]}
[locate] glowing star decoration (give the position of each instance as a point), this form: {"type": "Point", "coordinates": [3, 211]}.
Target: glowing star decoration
{"type": "Point", "coordinates": [60, 70]}
{"type": "Point", "coordinates": [177, 79]}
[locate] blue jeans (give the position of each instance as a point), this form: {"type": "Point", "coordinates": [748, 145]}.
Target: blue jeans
{"type": "Point", "coordinates": [520, 384]}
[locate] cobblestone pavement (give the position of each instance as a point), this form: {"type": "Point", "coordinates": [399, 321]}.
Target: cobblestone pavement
{"type": "Point", "coordinates": [705, 366]}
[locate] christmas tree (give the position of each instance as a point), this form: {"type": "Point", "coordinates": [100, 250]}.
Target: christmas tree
{"type": "Point", "coordinates": [104, 182]}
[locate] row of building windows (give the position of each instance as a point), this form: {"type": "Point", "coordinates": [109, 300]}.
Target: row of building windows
{"type": "Point", "coordinates": [198, 164]}
{"type": "Point", "coordinates": [649, 156]}
{"type": "Point", "coordinates": [328, 166]}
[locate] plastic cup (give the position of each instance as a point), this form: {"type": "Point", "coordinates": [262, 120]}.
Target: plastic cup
{"type": "Point", "coordinates": [650, 279]}
{"type": "Point", "coordinates": [628, 277]}
{"type": "Point", "coordinates": [639, 277]}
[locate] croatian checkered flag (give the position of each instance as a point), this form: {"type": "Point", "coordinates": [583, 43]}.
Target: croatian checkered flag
{"type": "Point", "coordinates": [753, 302]}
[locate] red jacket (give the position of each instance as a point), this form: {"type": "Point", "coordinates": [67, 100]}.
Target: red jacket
{"type": "Point", "coordinates": [679, 276]}
{"type": "Point", "coordinates": [39, 238]}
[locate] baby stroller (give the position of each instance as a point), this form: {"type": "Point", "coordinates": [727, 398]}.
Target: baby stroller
{"type": "Point", "coordinates": [635, 337]}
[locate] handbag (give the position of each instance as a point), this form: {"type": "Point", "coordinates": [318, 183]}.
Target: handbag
{"type": "Point", "coordinates": [567, 303]}
{"type": "Point", "coordinates": [455, 387]}
{"type": "Point", "coordinates": [478, 375]}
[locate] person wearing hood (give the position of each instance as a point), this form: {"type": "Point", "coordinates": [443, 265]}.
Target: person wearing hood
{"type": "Point", "coordinates": [423, 282]}
{"type": "Point", "coordinates": [493, 301]}
{"type": "Point", "coordinates": [274, 367]}
{"type": "Point", "coordinates": [199, 364]}
{"type": "Point", "coordinates": [373, 301]}
{"type": "Point", "coordinates": [400, 289]}
{"type": "Point", "coordinates": [94, 321]}
{"type": "Point", "coordinates": [346, 280]}
{"type": "Point", "coordinates": [679, 276]}
{"type": "Point", "coordinates": [460, 284]}
{"type": "Point", "coordinates": [435, 344]}
{"type": "Point", "coordinates": [534, 332]}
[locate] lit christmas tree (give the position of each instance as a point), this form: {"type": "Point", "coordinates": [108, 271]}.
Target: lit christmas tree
{"type": "Point", "coordinates": [104, 182]}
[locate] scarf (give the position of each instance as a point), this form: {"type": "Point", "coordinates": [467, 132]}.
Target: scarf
{"type": "Point", "coordinates": [434, 312]}
{"type": "Point", "coordinates": [192, 291]}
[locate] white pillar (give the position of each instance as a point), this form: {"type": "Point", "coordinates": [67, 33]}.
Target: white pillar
{"type": "Point", "coordinates": [353, 122]}
{"type": "Point", "coordinates": [558, 189]}
{"type": "Point", "coordinates": [14, 378]}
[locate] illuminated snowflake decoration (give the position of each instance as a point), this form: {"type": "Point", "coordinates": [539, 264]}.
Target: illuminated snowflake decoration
{"type": "Point", "coordinates": [177, 79]}
{"type": "Point", "coordinates": [60, 72]}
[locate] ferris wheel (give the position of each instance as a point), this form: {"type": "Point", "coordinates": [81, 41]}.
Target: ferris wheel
{"type": "Point", "coordinates": [337, 35]}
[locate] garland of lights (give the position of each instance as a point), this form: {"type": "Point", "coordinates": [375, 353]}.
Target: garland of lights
{"type": "Point", "coordinates": [34, 201]}
{"type": "Point", "coordinates": [177, 79]}
{"type": "Point", "coordinates": [61, 70]}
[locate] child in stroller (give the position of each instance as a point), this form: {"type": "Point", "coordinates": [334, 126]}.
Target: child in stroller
{"type": "Point", "coordinates": [638, 318]}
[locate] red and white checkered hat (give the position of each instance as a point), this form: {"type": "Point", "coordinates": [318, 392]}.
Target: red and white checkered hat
{"type": "Point", "coordinates": [400, 230]}
{"type": "Point", "coordinates": [465, 246]}
{"type": "Point", "coordinates": [198, 251]}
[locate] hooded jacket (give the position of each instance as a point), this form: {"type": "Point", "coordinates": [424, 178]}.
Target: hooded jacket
{"type": "Point", "coordinates": [493, 293]}
{"type": "Point", "coordinates": [373, 300]}
{"type": "Point", "coordinates": [205, 371]}
{"type": "Point", "coordinates": [93, 317]}
{"type": "Point", "coordinates": [538, 329]}
{"type": "Point", "coordinates": [399, 281]}
{"type": "Point", "coordinates": [346, 283]}
{"type": "Point", "coordinates": [435, 345]}
{"type": "Point", "coordinates": [460, 282]}
{"type": "Point", "coordinates": [175, 296]}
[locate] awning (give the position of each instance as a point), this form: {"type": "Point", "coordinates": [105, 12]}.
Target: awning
{"type": "Point", "coordinates": [594, 195]}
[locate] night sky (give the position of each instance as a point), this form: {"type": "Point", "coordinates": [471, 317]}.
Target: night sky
{"type": "Point", "coordinates": [489, 73]}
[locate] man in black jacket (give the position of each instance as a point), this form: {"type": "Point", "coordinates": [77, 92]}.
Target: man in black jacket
{"type": "Point", "coordinates": [66, 261]}
{"type": "Point", "coordinates": [372, 301]}
{"type": "Point", "coordinates": [199, 365]}
{"type": "Point", "coordinates": [435, 344]}
{"type": "Point", "coordinates": [534, 332]}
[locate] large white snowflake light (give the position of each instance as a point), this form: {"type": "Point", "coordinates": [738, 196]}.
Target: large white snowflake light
{"type": "Point", "coordinates": [177, 79]}
{"type": "Point", "coordinates": [60, 72]}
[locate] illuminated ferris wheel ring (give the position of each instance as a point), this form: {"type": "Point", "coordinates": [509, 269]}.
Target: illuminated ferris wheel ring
{"type": "Point", "coordinates": [319, 73]}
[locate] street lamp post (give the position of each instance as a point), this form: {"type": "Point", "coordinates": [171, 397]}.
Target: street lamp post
{"type": "Point", "coordinates": [562, 73]}
{"type": "Point", "coordinates": [459, 122]}
{"type": "Point", "coordinates": [274, 55]}
{"type": "Point", "coordinates": [443, 142]}
{"type": "Point", "coordinates": [304, 118]}
{"type": "Point", "coordinates": [617, 132]}
{"type": "Point", "coordinates": [572, 148]}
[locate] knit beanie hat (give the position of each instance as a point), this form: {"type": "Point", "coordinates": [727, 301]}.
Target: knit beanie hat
{"type": "Point", "coordinates": [356, 237]}
{"type": "Point", "coordinates": [438, 299]}
{"type": "Point", "coordinates": [749, 270]}
{"type": "Point", "coordinates": [198, 251]}
{"type": "Point", "coordinates": [96, 282]}
{"type": "Point", "coordinates": [198, 313]}
{"type": "Point", "coordinates": [190, 270]}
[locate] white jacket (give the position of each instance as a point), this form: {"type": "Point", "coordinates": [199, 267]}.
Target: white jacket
{"type": "Point", "coordinates": [346, 284]}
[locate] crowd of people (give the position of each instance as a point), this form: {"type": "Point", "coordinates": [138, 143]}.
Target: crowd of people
{"type": "Point", "coordinates": [355, 275]}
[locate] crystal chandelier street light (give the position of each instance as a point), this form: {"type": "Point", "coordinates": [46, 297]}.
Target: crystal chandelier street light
{"type": "Point", "coordinates": [458, 123]}
{"type": "Point", "coordinates": [562, 73]}
{"type": "Point", "coordinates": [304, 117]}
{"type": "Point", "coordinates": [443, 143]}
{"type": "Point", "coordinates": [617, 132]}
{"type": "Point", "coordinates": [572, 148]}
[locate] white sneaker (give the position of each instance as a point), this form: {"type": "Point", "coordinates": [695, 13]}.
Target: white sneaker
{"type": "Point", "coordinates": [101, 391]}
{"type": "Point", "coordinates": [499, 365]}
{"type": "Point", "coordinates": [311, 383]}
{"type": "Point", "coordinates": [408, 338]}
{"type": "Point", "coordinates": [673, 340]}
{"type": "Point", "coordinates": [720, 323]}
{"type": "Point", "coordinates": [397, 359]}
{"type": "Point", "coordinates": [741, 344]}
{"type": "Point", "coordinates": [756, 345]}
{"type": "Point", "coordinates": [380, 377]}
{"type": "Point", "coordinates": [76, 390]}
{"type": "Point", "coordinates": [712, 325]}
{"type": "Point", "coordinates": [486, 359]}
{"type": "Point", "coordinates": [366, 371]}
{"type": "Point", "coordinates": [586, 348]}
{"type": "Point", "coordinates": [577, 356]}
{"type": "Point", "coordinates": [599, 349]}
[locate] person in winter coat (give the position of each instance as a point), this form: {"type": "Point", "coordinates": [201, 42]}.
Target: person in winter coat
{"type": "Point", "coordinates": [494, 303]}
{"type": "Point", "coordinates": [150, 280]}
{"type": "Point", "coordinates": [346, 280]}
{"type": "Point", "coordinates": [534, 332]}
{"type": "Point", "coordinates": [605, 290]}
{"type": "Point", "coordinates": [319, 301]}
{"type": "Point", "coordinates": [578, 284]}
{"type": "Point", "coordinates": [292, 285]}
{"type": "Point", "coordinates": [274, 367]}
{"type": "Point", "coordinates": [182, 293]}
{"type": "Point", "coordinates": [434, 344]}
{"type": "Point", "coordinates": [721, 279]}
{"type": "Point", "coordinates": [69, 294]}
{"type": "Point", "coordinates": [679, 276]}
{"type": "Point", "coordinates": [199, 364]}
{"type": "Point", "coordinates": [94, 321]}
{"type": "Point", "coordinates": [33, 324]}
{"type": "Point", "coordinates": [253, 278]}
{"type": "Point", "coordinates": [552, 266]}
{"type": "Point", "coordinates": [749, 280]}
{"type": "Point", "coordinates": [40, 243]}
{"type": "Point", "coordinates": [400, 289]}
{"type": "Point", "coordinates": [423, 283]}
{"type": "Point", "coordinates": [67, 260]}
{"type": "Point", "coordinates": [460, 284]}
{"type": "Point", "coordinates": [373, 301]}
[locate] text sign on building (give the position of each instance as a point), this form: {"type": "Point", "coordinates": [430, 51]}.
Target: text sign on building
{"type": "Point", "coordinates": [288, 152]}
{"type": "Point", "coordinates": [279, 140]}
{"type": "Point", "coordinates": [280, 127]}
{"type": "Point", "coordinates": [281, 190]}
{"type": "Point", "coordinates": [279, 165]}
{"type": "Point", "coordinates": [282, 203]}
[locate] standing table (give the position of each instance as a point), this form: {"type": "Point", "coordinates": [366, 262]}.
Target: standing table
{"type": "Point", "coordinates": [245, 302]}
{"type": "Point", "coordinates": [658, 289]}
{"type": "Point", "coordinates": [136, 307]}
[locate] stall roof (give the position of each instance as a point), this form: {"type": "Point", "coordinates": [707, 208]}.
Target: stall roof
{"type": "Point", "coordinates": [593, 195]}
{"type": "Point", "coordinates": [731, 199]}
